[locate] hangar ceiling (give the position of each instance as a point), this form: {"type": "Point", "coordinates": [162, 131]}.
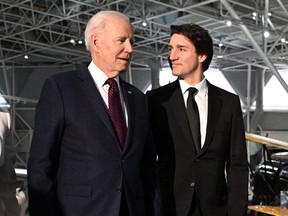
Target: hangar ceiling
{"type": "Point", "coordinates": [42, 30]}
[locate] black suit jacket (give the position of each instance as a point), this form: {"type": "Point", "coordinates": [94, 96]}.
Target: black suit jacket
{"type": "Point", "coordinates": [76, 167]}
{"type": "Point", "coordinates": [217, 177]}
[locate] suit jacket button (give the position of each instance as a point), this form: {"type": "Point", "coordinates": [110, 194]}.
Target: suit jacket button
{"type": "Point", "coordinates": [119, 189]}
{"type": "Point", "coordinates": [192, 184]}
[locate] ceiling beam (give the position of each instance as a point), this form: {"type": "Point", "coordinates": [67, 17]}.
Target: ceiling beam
{"type": "Point", "coordinates": [255, 44]}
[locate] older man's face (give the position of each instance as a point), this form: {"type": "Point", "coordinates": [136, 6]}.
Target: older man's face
{"type": "Point", "coordinates": [115, 47]}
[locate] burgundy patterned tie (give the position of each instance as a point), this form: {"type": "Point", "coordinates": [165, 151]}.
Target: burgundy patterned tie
{"type": "Point", "coordinates": [116, 111]}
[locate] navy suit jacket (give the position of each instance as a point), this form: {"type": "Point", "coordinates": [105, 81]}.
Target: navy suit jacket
{"type": "Point", "coordinates": [217, 177]}
{"type": "Point", "coordinates": [76, 167]}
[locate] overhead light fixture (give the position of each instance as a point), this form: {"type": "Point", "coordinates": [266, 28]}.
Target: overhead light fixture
{"type": "Point", "coordinates": [228, 23]}
{"type": "Point", "coordinates": [144, 23]}
{"type": "Point", "coordinates": [26, 56]}
{"type": "Point", "coordinates": [266, 34]}
{"type": "Point", "coordinates": [269, 14]}
{"type": "Point", "coordinates": [220, 44]}
{"type": "Point", "coordinates": [283, 40]}
{"type": "Point", "coordinates": [80, 42]}
{"type": "Point", "coordinates": [254, 15]}
{"type": "Point", "coordinates": [72, 41]}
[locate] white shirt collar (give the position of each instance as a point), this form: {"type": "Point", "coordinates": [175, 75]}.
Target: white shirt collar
{"type": "Point", "coordinates": [98, 75]}
{"type": "Point", "coordinates": [202, 86]}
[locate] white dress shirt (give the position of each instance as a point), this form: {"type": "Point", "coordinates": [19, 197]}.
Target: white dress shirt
{"type": "Point", "coordinates": [201, 98]}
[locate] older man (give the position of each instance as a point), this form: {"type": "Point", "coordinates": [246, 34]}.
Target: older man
{"type": "Point", "coordinates": [91, 153]}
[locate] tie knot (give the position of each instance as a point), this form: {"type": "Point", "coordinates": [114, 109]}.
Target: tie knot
{"type": "Point", "coordinates": [111, 81]}
{"type": "Point", "coordinates": [192, 91]}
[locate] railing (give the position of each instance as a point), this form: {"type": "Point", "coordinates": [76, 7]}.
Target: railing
{"type": "Point", "coordinates": [266, 141]}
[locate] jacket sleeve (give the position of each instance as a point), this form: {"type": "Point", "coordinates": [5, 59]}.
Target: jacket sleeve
{"type": "Point", "coordinates": [237, 166]}
{"type": "Point", "coordinates": [44, 151]}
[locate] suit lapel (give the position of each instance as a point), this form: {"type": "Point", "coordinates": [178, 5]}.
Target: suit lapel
{"type": "Point", "coordinates": [90, 90]}
{"type": "Point", "coordinates": [128, 98]}
{"type": "Point", "coordinates": [214, 108]}
{"type": "Point", "coordinates": [176, 104]}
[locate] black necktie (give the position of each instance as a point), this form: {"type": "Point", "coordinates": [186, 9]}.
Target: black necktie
{"type": "Point", "coordinates": [116, 111]}
{"type": "Point", "coordinates": [193, 118]}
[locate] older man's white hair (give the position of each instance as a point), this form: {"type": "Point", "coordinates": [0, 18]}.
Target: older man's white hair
{"type": "Point", "coordinates": [97, 23]}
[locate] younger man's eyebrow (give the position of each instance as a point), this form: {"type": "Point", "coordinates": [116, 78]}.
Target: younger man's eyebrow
{"type": "Point", "coordinates": [178, 46]}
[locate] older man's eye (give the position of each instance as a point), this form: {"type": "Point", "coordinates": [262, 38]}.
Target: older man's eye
{"type": "Point", "coordinates": [122, 40]}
